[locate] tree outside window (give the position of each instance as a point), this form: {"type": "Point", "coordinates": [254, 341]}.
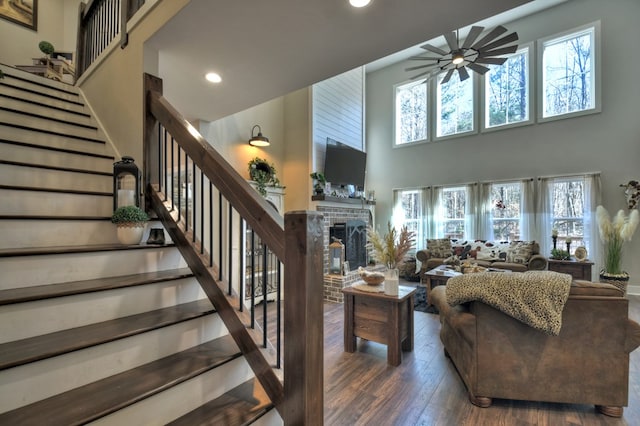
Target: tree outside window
{"type": "Point", "coordinates": [454, 201]}
{"type": "Point", "coordinates": [411, 113]}
{"type": "Point", "coordinates": [507, 209]}
{"type": "Point", "coordinates": [568, 78]}
{"type": "Point", "coordinates": [455, 106]}
{"type": "Point", "coordinates": [567, 199]}
{"type": "Point", "coordinates": [507, 91]}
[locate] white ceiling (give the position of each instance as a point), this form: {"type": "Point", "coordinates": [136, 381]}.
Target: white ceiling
{"type": "Point", "coordinates": [265, 49]}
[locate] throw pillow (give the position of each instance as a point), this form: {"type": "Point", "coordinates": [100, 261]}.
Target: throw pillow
{"type": "Point", "coordinates": [520, 252]}
{"type": "Point", "coordinates": [439, 248]}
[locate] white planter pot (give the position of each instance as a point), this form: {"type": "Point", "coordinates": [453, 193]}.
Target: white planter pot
{"type": "Point", "coordinates": [129, 235]}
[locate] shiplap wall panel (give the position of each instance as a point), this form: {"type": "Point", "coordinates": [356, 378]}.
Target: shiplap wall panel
{"type": "Point", "coordinates": [338, 112]}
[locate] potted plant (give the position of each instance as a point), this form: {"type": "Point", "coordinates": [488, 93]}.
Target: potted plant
{"type": "Point", "coordinates": [130, 221]}
{"type": "Point", "coordinates": [391, 250]}
{"type": "Point", "coordinates": [46, 47]}
{"type": "Point", "coordinates": [263, 174]}
{"type": "Point", "coordinates": [613, 234]}
{"type": "Point", "coordinates": [319, 182]}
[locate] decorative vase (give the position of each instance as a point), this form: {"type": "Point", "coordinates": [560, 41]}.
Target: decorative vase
{"type": "Point", "coordinates": [391, 280]}
{"type": "Point", "coordinates": [619, 280]}
{"type": "Point", "coordinates": [129, 235]}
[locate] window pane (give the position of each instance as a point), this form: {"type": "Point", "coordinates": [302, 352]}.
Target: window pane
{"type": "Point", "coordinates": [567, 74]}
{"type": "Point", "coordinates": [411, 211]}
{"type": "Point", "coordinates": [454, 204]}
{"type": "Point", "coordinates": [568, 210]}
{"type": "Point", "coordinates": [411, 113]}
{"type": "Point", "coordinates": [455, 105]}
{"type": "Point", "coordinates": [507, 91]}
{"type": "Point", "coordinates": [506, 211]}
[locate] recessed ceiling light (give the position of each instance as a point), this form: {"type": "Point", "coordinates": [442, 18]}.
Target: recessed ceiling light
{"type": "Point", "coordinates": [359, 3]}
{"type": "Point", "coordinates": [213, 77]}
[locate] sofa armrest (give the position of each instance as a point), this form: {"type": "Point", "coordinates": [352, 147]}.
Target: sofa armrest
{"type": "Point", "coordinates": [423, 255]}
{"type": "Point", "coordinates": [633, 336]}
{"type": "Point", "coordinates": [538, 263]}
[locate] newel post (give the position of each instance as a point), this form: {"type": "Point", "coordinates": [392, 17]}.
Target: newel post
{"type": "Point", "coordinates": [151, 143]}
{"type": "Point", "coordinates": [303, 319]}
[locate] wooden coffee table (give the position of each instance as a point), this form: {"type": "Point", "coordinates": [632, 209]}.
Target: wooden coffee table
{"type": "Point", "coordinates": [437, 276]}
{"type": "Point", "coordinates": [380, 318]}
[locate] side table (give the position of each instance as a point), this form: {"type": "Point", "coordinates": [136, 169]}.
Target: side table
{"type": "Point", "coordinates": [380, 318]}
{"type": "Point", "coordinates": [577, 269]}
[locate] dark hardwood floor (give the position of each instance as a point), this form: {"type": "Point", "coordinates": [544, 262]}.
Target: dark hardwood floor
{"type": "Point", "coordinates": [361, 389]}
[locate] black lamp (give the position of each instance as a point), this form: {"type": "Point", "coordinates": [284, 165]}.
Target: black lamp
{"type": "Point", "coordinates": [126, 183]}
{"type": "Point", "coordinates": [258, 140]}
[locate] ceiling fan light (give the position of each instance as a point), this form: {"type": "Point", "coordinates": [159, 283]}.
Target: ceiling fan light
{"type": "Point", "coordinates": [457, 58]}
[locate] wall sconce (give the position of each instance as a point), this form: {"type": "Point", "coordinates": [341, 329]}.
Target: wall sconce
{"type": "Point", "coordinates": [126, 183]}
{"type": "Point", "coordinates": [258, 140]}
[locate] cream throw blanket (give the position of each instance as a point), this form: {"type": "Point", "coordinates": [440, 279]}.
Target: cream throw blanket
{"type": "Point", "coordinates": [535, 298]}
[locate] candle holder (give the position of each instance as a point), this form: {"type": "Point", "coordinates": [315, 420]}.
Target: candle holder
{"type": "Point", "coordinates": [555, 241]}
{"type": "Point", "coordinates": [569, 247]}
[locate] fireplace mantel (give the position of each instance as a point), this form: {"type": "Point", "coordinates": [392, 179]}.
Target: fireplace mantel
{"type": "Point", "coordinates": [342, 200]}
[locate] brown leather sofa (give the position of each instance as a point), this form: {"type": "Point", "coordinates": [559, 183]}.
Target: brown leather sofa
{"type": "Point", "coordinates": [498, 356]}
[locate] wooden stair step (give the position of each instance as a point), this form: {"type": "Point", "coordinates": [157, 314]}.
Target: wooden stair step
{"type": "Point", "coordinates": [44, 251]}
{"type": "Point", "coordinates": [242, 405]}
{"type": "Point", "coordinates": [55, 168]}
{"type": "Point", "coordinates": [49, 117]}
{"type": "Point", "coordinates": [29, 294]}
{"type": "Point", "coordinates": [32, 349]}
{"type": "Point", "coordinates": [56, 149]}
{"type": "Point", "coordinates": [90, 402]}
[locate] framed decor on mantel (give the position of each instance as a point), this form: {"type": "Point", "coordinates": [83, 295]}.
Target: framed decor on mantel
{"type": "Point", "coordinates": [22, 12]}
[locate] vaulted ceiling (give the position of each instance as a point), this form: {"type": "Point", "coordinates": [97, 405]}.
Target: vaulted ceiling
{"type": "Point", "coordinates": [265, 49]}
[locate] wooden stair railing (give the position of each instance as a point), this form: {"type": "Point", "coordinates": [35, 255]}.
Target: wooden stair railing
{"type": "Point", "coordinates": [208, 188]}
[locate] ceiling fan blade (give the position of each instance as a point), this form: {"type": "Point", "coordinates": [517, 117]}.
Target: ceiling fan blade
{"type": "Point", "coordinates": [500, 42]}
{"type": "Point", "coordinates": [463, 74]}
{"type": "Point", "coordinates": [424, 58]}
{"type": "Point", "coordinates": [472, 36]}
{"type": "Point", "coordinates": [497, 31]}
{"type": "Point", "coordinates": [478, 68]}
{"type": "Point", "coordinates": [420, 67]}
{"type": "Point", "coordinates": [434, 49]}
{"type": "Point", "coordinates": [492, 61]}
{"type": "Point", "coordinates": [497, 52]}
{"type": "Point", "coordinates": [422, 74]}
{"type": "Point", "coordinates": [447, 76]}
{"type": "Point", "coordinates": [452, 41]}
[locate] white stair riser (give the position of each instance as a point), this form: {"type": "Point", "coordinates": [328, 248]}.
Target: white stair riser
{"type": "Point", "coordinates": [271, 418]}
{"type": "Point", "coordinates": [8, 89]}
{"type": "Point", "coordinates": [23, 320]}
{"type": "Point", "coordinates": [55, 233]}
{"type": "Point", "coordinates": [29, 155]}
{"type": "Point", "coordinates": [42, 203]}
{"type": "Point", "coordinates": [54, 179]}
{"type": "Point", "coordinates": [32, 382]}
{"type": "Point", "coordinates": [183, 398]}
{"type": "Point", "coordinates": [49, 140]}
{"type": "Point", "coordinates": [47, 125]}
{"type": "Point", "coordinates": [25, 271]}
{"type": "Point", "coordinates": [52, 113]}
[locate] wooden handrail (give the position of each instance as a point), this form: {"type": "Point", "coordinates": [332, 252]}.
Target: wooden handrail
{"type": "Point", "coordinates": [297, 241]}
{"type": "Point", "coordinates": [258, 213]}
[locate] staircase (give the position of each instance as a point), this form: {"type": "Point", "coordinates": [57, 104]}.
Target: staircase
{"type": "Point", "coordinates": [92, 331]}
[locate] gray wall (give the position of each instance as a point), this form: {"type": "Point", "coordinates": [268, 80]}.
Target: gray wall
{"type": "Point", "coordinates": [608, 142]}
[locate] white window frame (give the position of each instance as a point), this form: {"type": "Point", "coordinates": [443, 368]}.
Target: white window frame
{"type": "Point", "coordinates": [396, 130]}
{"type": "Point", "coordinates": [595, 69]}
{"type": "Point", "coordinates": [400, 218]}
{"type": "Point", "coordinates": [435, 83]}
{"type": "Point", "coordinates": [509, 219]}
{"type": "Point", "coordinates": [483, 101]}
{"type": "Point", "coordinates": [585, 240]}
{"type": "Point", "coordinates": [443, 220]}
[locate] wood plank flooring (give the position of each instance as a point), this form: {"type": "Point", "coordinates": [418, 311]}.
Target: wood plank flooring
{"type": "Point", "coordinates": [361, 389]}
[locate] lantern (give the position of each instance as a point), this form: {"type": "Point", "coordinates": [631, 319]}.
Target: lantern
{"type": "Point", "coordinates": [336, 256]}
{"type": "Point", "coordinates": [126, 183]}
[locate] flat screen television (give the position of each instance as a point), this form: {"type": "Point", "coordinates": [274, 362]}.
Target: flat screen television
{"type": "Point", "coordinates": [344, 165]}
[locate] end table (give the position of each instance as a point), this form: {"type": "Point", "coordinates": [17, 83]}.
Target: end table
{"type": "Point", "coordinates": [579, 270]}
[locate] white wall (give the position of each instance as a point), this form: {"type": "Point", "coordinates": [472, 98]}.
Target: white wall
{"type": "Point", "coordinates": [55, 17]}
{"type": "Point", "coordinates": [608, 142]}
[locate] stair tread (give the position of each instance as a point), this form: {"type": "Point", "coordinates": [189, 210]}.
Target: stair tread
{"type": "Point", "coordinates": [36, 348]}
{"type": "Point", "coordinates": [240, 406]}
{"type": "Point", "coordinates": [55, 168]}
{"type": "Point", "coordinates": [38, 251]}
{"type": "Point", "coordinates": [28, 294]}
{"type": "Point", "coordinates": [56, 149]}
{"type": "Point", "coordinates": [56, 190]}
{"type": "Point", "coordinates": [98, 399]}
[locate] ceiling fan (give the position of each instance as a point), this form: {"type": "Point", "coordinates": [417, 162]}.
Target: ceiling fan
{"type": "Point", "coordinates": [487, 50]}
